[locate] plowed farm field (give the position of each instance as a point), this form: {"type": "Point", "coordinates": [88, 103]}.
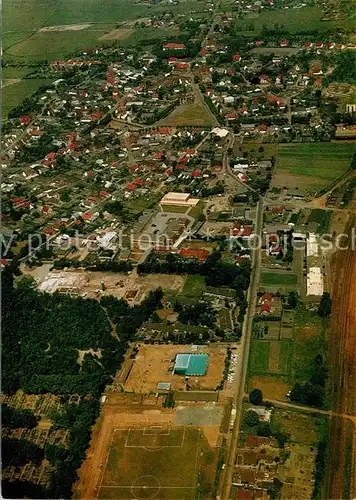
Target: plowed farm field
{"type": "Point", "coordinates": [340, 478]}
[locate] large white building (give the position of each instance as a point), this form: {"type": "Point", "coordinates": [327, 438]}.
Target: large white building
{"type": "Point", "coordinates": [315, 282]}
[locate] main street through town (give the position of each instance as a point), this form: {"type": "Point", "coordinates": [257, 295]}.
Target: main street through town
{"type": "Point", "coordinates": [242, 365]}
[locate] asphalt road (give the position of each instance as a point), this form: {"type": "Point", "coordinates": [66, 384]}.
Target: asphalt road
{"type": "Point", "coordinates": [241, 369]}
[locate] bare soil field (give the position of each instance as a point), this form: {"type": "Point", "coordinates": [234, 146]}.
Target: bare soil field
{"type": "Point", "coordinates": [282, 51]}
{"type": "Point", "coordinates": [117, 34]}
{"type": "Point", "coordinates": [152, 365]}
{"type": "Point", "coordinates": [131, 287]}
{"type": "Point", "coordinates": [340, 475]}
{"type": "Point", "coordinates": [294, 181]}
{"type": "Point", "coordinates": [66, 27]}
{"type": "Point", "coordinates": [271, 387]}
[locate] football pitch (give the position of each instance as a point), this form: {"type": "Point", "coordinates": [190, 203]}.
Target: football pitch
{"type": "Point", "coordinates": [152, 462]}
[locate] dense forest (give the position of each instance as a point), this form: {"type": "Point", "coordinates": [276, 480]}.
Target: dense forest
{"type": "Point", "coordinates": [41, 336]}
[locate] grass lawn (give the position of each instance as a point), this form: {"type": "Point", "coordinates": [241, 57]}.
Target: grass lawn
{"type": "Point", "coordinates": [270, 278]}
{"type": "Point", "coordinates": [10, 73]}
{"type": "Point", "coordinates": [259, 357]}
{"type": "Point", "coordinates": [196, 211]}
{"type": "Point", "coordinates": [193, 286]}
{"type": "Point", "coordinates": [14, 94]}
{"type": "Point", "coordinates": [144, 202]}
{"type": "Point", "coordinates": [175, 209]}
{"type": "Point", "coordinates": [310, 167]}
{"type": "Point", "coordinates": [322, 217]}
{"type": "Point", "coordinates": [285, 357]}
{"type": "Point", "coordinates": [188, 114]}
{"type": "Point", "coordinates": [302, 427]}
{"type": "Point", "coordinates": [309, 341]}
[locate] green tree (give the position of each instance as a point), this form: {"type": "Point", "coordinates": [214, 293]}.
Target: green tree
{"type": "Point", "coordinates": [293, 299]}
{"type": "Point", "coordinates": [256, 397]}
{"type": "Point", "coordinates": [324, 309]}
{"type": "Point", "coordinates": [251, 418]}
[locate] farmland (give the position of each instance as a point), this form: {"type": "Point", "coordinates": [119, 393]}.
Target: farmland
{"type": "Point", "coordinates": [15, 92]}
{"type": "Point", "coordinates": [271, 357]}
{"type": "Point", "coordinates": [23, 20]}
{"type": "Point", "coordinates": [310, 167]}
{"type": "Point", "coordinates": [293, 355]}
{"type": "Point", "coordinates": [292, 20]}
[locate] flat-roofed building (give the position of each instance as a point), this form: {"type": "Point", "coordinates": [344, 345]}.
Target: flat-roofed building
{"type": "Point", "coordinates": [179, 199]}
{"type": "Point", "coordinates": [315, 283]}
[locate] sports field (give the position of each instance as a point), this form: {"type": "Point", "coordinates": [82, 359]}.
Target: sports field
{"type": "Point", "coordinates": [154, 462]}
{"type": "Point", "coordinates": [310, 167]}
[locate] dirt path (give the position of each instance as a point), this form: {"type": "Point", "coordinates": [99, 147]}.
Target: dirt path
{"type": "Point", "coordinates": [342, 379]}
{"type": "Point", "coordinates": [310, 409]}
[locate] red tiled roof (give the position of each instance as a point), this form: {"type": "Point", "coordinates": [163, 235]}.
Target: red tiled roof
{"type": "Point", "coordinates": [130, 186]}
{"type": "Point", "coordinates": [104, 194]}
{"type": "Point", "coordinates": [25, 120]}
{"type": "Point", "coordinates": [190, 253]}
{"type": "Point", "coordinates": [265, 308]}
{"type": "Point", "coordinates": [17, 199]}
{"type": "Point", "coordinates": [181, 66]}
{"type": "Point", "coordinates": [96, 116]}
{"type": "Point", "coordinates": [174, 46]}
{"type": "Point", "coordinates": [87, 216]}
